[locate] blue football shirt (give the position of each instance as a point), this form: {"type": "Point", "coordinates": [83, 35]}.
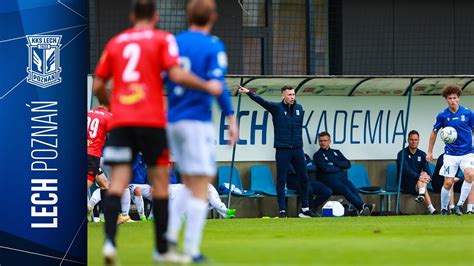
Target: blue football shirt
{"type": "Point", "coordinates": [463, 122]}
{"type": "Point", "coordinates": [205, 56]}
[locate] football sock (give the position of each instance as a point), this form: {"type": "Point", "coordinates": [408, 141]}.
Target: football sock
{"type": "Point", "coordinates": [431, 208]}
{"type": "Point", "coordinates": [421, 190]}
{"type": "Point", "coordinates": [177, 208]}
{"type": "Point", "coordinates": [465, 189]}
{"type": "Point", "coordinates": [111, 208]}
{"type": "Point", "coordinates": [304, 209]}
{"type": "Point", "coordinates": [196, 214]}
{"type": "Point", "coordinates": [160, 212]}
{"type": "Point", "coordinates": [444, 198]}
{"type": "Point", "coordinates": [125, 202]}
{"type": "Point", "coordinates": [469, 207]}
{"type": "Point", "coordinates": [95, 198]}
{"type": "Point", "coordinates": [140, 205]}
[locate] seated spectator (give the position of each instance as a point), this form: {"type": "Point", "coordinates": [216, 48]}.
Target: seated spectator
{"type": "Point", "coordinates": [416, 174]}
{"type": "Point", "coordinates": [331, 168]}
{"type": "Point", "coordinates": [318, 193]}
{"type": "Point", "coordinates": [437, 184]}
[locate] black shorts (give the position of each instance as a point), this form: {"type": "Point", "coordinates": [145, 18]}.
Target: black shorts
{"type": "Point", "coordinates": [93, 164]}
{"type": "Point", "coordinates": [125, 142]}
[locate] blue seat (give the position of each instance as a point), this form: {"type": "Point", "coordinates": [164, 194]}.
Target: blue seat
{"type": "Point", "coordinates": [223, 177]}
{"type": "Point", "coordinates": [261, 180]}
{"type": "Point", "coordinates": [359, 176]}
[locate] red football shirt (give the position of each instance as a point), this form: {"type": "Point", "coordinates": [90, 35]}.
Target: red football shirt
{"type": "Point", "coordinates": [98, 124]}
{"type": "Point", "coordinates": [135, 59]}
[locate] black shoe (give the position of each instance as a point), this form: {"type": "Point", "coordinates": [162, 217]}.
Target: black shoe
{"type": "Point", "coordinates": [420, 198]}
{"type": "Point", "coordinates": [435, 212]}
{"type": "Point", "coordinates": [444, 212]}
{"type": "Point", "coordinates": [451, 210]}
{"type": "Point", "coordinates": [458, 210]}
{"type": "Point", "coordinates": [307, 214]}
{"type": "Point", "coordinates": [470, 212]}
{"type": "Point", "coordinates": [282, 214]}
{"type": "Point", "coordinates": [367, 210]}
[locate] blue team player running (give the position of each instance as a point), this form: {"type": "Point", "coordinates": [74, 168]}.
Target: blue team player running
{"type": "Point", "coordinates": [457, 154]}
{"type": "Point", "coordinates": [191, 132]}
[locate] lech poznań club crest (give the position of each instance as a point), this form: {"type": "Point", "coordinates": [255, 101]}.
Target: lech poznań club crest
{"type": "Point", "coordinates": [43, 60]}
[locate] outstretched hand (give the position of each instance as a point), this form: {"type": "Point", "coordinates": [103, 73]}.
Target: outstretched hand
{"type": "Point", "coordinates": [243, 90]}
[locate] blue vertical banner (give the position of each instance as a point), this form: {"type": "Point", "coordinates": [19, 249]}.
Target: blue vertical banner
{"type": "Point", "coordinates": [43, 88]}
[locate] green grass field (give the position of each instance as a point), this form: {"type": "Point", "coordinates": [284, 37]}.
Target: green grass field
{"type": "Point", "coordinates": [391, 240]}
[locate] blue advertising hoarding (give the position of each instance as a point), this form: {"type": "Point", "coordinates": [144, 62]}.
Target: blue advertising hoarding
{"type": "Point", "coordinates": [44, 58]}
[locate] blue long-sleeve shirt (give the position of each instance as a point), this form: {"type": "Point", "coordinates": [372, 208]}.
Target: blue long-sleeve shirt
{"type": "Point", "coordinates": [330, 163]}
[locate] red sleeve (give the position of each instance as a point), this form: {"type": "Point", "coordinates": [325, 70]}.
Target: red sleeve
{"type": "Point", "coordinates": [103, 68]}
{"type": "Point", "coordinates": [170, 53]}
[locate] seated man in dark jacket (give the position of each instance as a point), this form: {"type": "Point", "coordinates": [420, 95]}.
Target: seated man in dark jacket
{"type": "Point", "coordinates": [318, 193]}
{"type": "Point", "coordinates": [331, 168]}
{"type": "Point", "coordinates": [416, 174]}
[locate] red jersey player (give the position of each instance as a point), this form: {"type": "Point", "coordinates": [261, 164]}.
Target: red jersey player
{"type": "Point", "coordinates": [135, 60]}
{"type": "Point", "coordinates": [98, 120]}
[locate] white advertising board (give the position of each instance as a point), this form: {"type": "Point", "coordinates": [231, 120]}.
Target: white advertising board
{"type": "Point", "coordinates": [363, 128]}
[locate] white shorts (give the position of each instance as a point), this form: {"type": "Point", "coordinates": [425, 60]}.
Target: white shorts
{"type": "Point", "coordinates": [146, 190]}
{"type": "Point", "coordinates": [193, 147]}
{"type": "Point", "coordinates": [451, 164]}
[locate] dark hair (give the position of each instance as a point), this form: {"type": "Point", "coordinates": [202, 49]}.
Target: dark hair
{"type": "Point", "coordinates": [199, 11]}
{"type": "Point", "coordinates": [413, 132]}
{"type": "Point", "coordinates": [143, 9]}
{"type": "Point", "coordinates": [323, 134]}
{"type": "Point", "coordinates": [451, 89]}
{"type": "Point", "coordinates": [286, 87]}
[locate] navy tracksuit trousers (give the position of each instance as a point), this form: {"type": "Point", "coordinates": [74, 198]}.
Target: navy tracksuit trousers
{"type": "Point", "coordinates": [285, 156]}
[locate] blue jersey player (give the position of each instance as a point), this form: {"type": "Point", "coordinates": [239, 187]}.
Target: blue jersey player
{"type": "Point", "coordinates": [191, 132]}
{"type": "Point", "coordinates": [457, 154]}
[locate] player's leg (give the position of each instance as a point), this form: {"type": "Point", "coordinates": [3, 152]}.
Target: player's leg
{"type": "Point", "coordinates": [426, 197]}
{"type": "Point", "coordinates": [451, 198]}
{"type": "Point", "coordinates": [104, 184]}
{"type": "Point", "coordinates": [119, 153]}
{"type": "Point", "coordinates": [196, 213]}
{"type": "Point", "coordinates": [154, 146]}
{"type": "Point", "coordinates": [198, 168]}
{"type": "Point", "coordinates": [283, 159]}
{"type": "Point", "coordinates": [125, 207]}
{"type": "Point", "coordinates": [353, 193]}
{"type": "Point", "coordinates": [180, 194]}
{"type": "Point", "coordinates": [467, 167]}
{"type": "Point", "coordinates": [448, 170]}
{"type": "Point", "coordinates": [299, 164]}
{"type": "Point", "coordinates": [470, 202]}
{"type": "Point", "coordinates": [323, 193]}
{"type": "Point", "coordinates": [138, 200]}
{"type": "Point", "coordinates": [420, 187]}
{"type": "Point", "coordinates": [216, 203]}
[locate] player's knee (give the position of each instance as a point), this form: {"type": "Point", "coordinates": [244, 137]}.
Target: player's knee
{"type": "Point", "coordinates": [468, 174]}
{"type": "Point", "coordinates": [137, 191]}
{"type": "Point", "coordinates": [448, 183]}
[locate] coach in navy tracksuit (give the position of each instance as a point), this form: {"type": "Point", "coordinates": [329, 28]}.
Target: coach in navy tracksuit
{"type": "Point", "coordinates": [331, 168]}
{"type": "Point", "coordinates": [287, 117]}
